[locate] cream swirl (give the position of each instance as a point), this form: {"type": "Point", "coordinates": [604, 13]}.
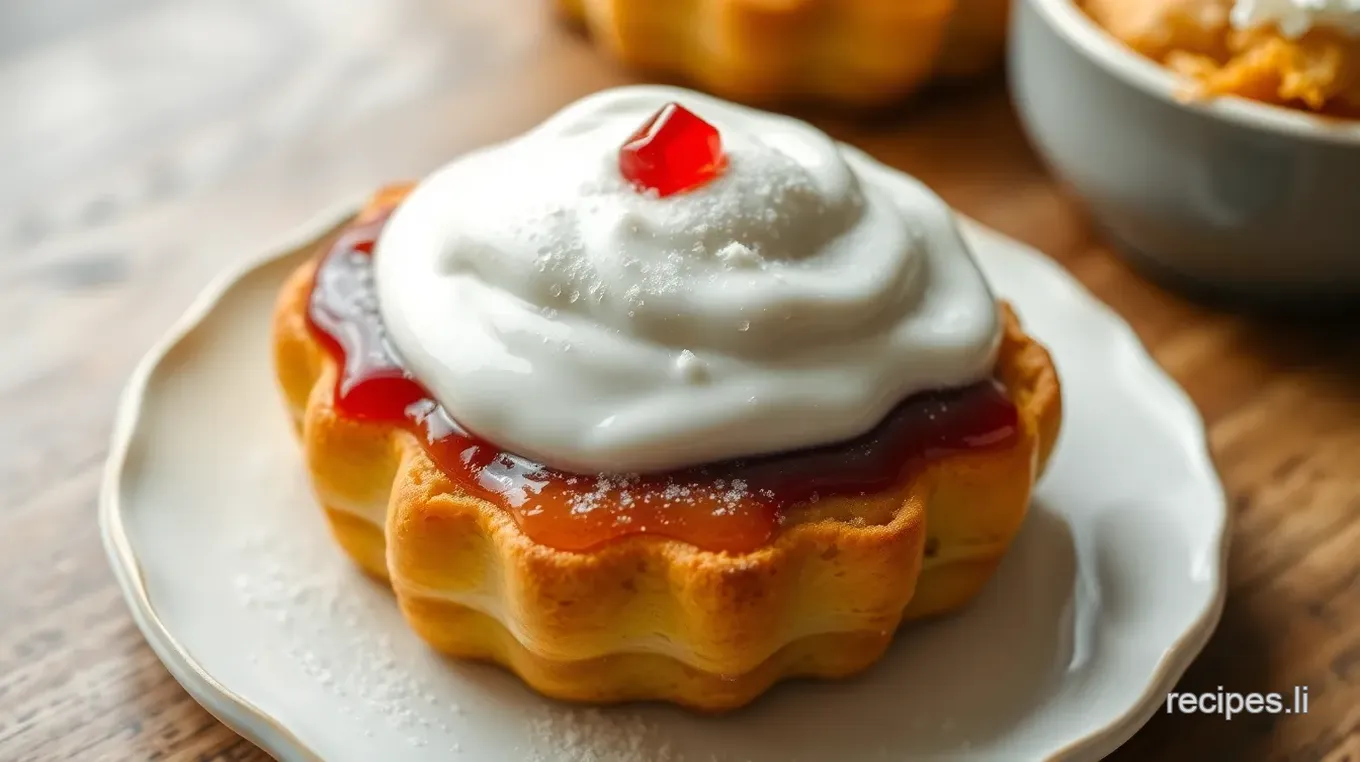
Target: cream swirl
{"type": "Point", "coordinates": [1295, 17]}
{"type": "Point", "coordinates": [792, 301]}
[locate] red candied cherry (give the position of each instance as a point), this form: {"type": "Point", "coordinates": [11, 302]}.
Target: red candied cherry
{"type": "Point", "coordinates": [674, 151]}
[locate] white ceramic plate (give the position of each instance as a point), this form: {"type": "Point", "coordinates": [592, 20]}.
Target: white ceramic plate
{"type": "Point", "coordinates": [1112, 587]}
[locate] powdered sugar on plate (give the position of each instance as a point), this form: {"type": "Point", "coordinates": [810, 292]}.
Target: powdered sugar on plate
{"type": "Point", "coordinates": [591, 735]}
{"type": "Point", "coordinates": [321, 605]}
{"type": "Point", "coordinates": [325, 607]}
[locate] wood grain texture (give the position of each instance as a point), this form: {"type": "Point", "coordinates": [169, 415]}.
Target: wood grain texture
{"type": "Point", "coordinates": [148, 144]}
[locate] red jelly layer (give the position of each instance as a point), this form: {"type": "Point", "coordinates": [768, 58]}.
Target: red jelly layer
{"type": "Point", "coordinates": [732, 506]}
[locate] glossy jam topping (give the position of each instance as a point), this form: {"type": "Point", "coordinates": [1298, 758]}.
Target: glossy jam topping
{"type": "Point", "coordinates": [732, 506]}
{"type": "Point", "coordinates": [673, 151]}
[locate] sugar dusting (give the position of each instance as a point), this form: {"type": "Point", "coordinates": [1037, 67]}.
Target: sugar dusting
{"type": "Point", "coordinates": [326, 610]}
{"type": "Point", "coordinates": [331, 618]}
{"type": "Point", "coordinates": [621, 492]}
{"type": "Point", "coordinates": [763, 213]}
{"type": "Point", "coordinates": [599, 735]}
{"type": "Point", "coordinates": [592, 735]}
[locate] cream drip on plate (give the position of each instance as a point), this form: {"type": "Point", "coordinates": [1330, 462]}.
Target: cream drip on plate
{"type": "Point", "coordinates": [557, 311]}
{"type": "Point", "coordinates": [1296, 17]}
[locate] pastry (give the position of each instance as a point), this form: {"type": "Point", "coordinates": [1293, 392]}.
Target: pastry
{"type": "Point", "coordinates": [858, 52]}
{"type": "Point", "coordinates": [1294, 53]}
{"type": "Point", "coordinates": [742, 402]}
{"type": "Point", "coordinates": [976, 39]}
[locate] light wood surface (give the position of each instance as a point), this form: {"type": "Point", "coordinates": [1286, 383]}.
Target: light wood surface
{"type": "Point", "coordinates": [147, 144]}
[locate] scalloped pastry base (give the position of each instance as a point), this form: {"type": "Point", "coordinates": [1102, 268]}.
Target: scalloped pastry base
{"type": "Point", "coordinates": [464, 632]}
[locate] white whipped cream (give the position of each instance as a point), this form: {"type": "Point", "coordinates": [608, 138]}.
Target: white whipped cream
{"type": "Point", "coordinates": [792, 301]}
{"type": "Point", "coordinates": [1295, 17]}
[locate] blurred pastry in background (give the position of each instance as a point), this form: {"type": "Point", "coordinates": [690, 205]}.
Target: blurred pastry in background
{"type": "Point", "coordinates": [977, 38]}
{"type": "Point", "coordinates": [1301, 54]}
{"type": "Point", "coordinates": [854, 52]}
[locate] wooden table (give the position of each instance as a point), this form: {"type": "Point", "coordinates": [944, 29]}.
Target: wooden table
{"type": "Point", "coordinates": [147, 144]}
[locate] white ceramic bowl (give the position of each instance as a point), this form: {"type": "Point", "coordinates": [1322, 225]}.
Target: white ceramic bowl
{"type": "Point", "coordinates": [1240, 196]}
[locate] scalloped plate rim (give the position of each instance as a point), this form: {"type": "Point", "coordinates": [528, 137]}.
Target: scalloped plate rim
{"type": "Point", "coordinates": [274, 737]}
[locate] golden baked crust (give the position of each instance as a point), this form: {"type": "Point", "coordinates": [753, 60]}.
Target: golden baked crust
{"type": "Point", "coordinates": [646, 617]}
{"type": "Point", "coordinates": [852, 51]}
{"type": "Point", "coordinates": [1319, 71]}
